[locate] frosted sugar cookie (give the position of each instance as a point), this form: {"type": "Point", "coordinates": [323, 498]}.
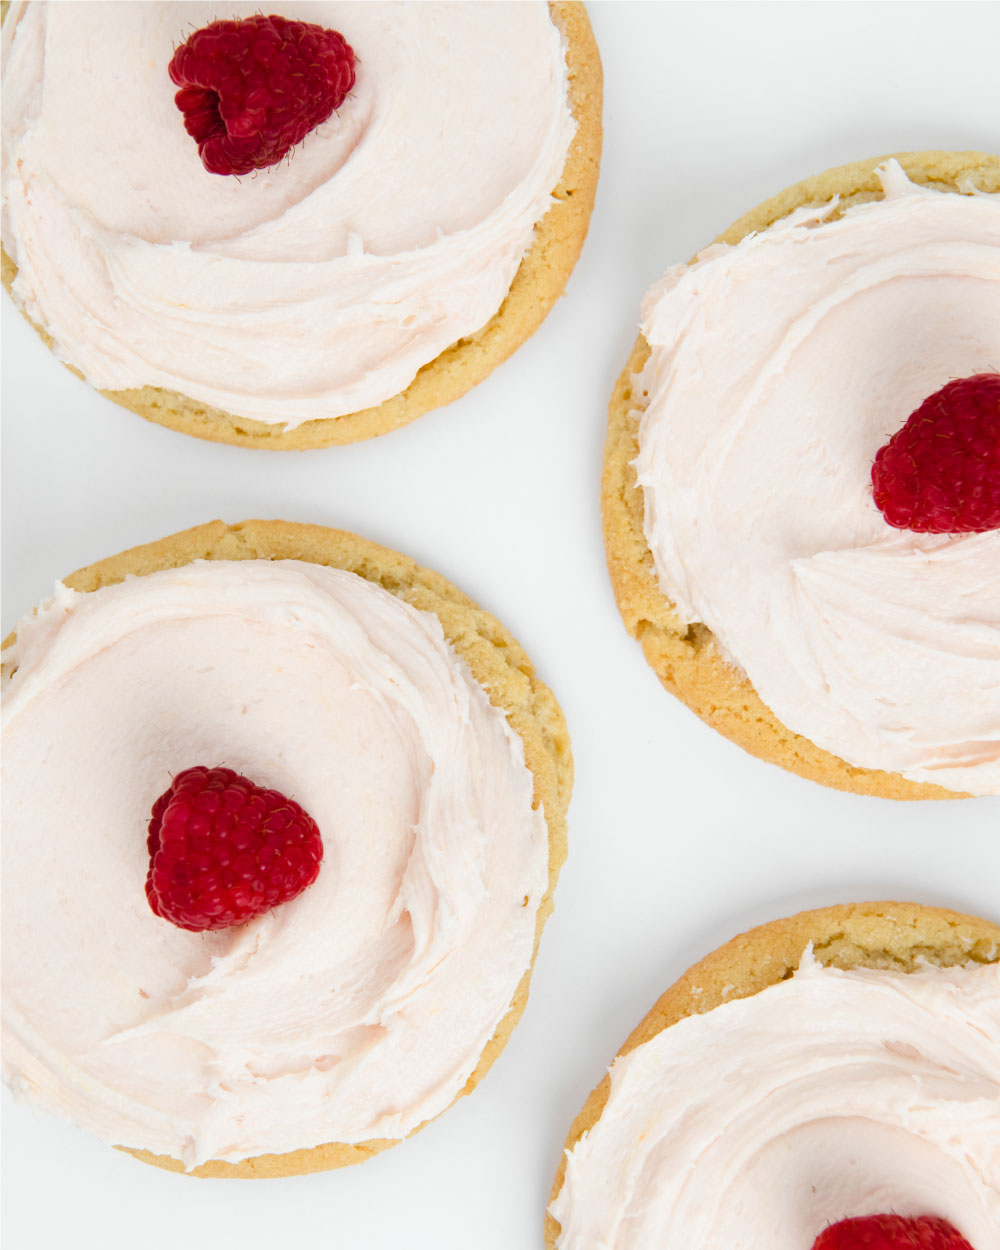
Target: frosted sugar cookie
{"type": "Point", "coordinates": [401, 719]}
{"type": "Point", "coordinates": [820, 623]}
{"type": "Point", "coordinates": [398, 253]}
{"type": "Point", "coordinates": [836, 1066]}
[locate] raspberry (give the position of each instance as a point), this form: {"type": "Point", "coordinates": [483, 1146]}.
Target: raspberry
{"type": "Point", "coordinates": [940, 474]}
{"type": "Point", "coordinates": [891, 1232]}
{"type": "Point", "coordinates": [222, 850]}
{"type": "Point", "coordinates": [253, 88]}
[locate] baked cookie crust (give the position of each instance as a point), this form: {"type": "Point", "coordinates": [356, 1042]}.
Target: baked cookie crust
{"type": "Point", "coordinates": [894, 936]}
{"type": "Point", "coordinates": [538, 283]}
{"type": "Point", "coordinates": [498, 663]}
{"type": "Point", "coordinates": [686, 658]}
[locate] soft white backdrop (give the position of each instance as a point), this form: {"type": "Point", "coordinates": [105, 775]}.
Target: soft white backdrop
{"type": "Point", "coordinates": [678, 840]}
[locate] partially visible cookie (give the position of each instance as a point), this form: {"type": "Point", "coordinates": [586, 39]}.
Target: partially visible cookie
{"type": "Point", "coordinates": [268, 249]}
{"type": "Point", "coordinates": [764, 1050]}
{"type": "Point", "coordinates": [263, 568]}
{"type": "Point", "coordinates": [709, 674]}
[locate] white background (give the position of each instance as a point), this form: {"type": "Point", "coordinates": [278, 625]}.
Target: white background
{"type": "Point", "coordinates": [678, 840]}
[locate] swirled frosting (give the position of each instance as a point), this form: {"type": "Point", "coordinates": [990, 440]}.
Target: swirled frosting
{"type": "Point", "coordinates": [778, 368]}
{"type": "Point", "coordinates": [829, 1095]}
{"type": "Point", "coordinates": [314, 289]}
{"type": "Point", "coordinates": [359, 1009]}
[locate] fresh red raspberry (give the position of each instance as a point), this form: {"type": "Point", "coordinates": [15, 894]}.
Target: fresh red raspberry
{"type": "Point", "coordinates": [940, 474]}
{"type": "Point", "coordinates": [891, 1232]}
{"type": "Point", "coordinates": [253, 88]}
{"type": "Point", "coordinates": [222, 850]}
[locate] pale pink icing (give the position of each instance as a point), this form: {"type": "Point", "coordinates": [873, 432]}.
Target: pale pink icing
{"type": "Point", "coordinates": [311, 290]}
{"type": "Point", "coordinates": [829, 1095]}
{"type": "Point", "coordinates": [356, 1011]}
{"type": "Point", "coordinates": [778, 368]}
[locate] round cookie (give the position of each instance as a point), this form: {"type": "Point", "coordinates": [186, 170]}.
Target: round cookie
{"type": "Point", "coordinates": [686, 658]}
{"type": "Point", "coordinates": [539, 281]}
{"type": "Point", "coordinates": [893, 936]}
{"type": "Point", "coordinates": [497, 662]}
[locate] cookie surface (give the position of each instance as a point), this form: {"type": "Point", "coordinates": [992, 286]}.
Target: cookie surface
{"type": "Point", "coordinates": [539, 281]}
{"type": "Point", "coordinates": [891, 936]}
{"type": "Point", "coordinates": [686, 658]}
{"type": "Point", "coordinates": [497, 662]}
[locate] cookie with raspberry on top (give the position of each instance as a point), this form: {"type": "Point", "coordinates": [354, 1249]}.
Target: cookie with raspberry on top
{"type": "Point", "coordinates": [301, 226]}
{"type": "Point", "coordinates": [801, 490]}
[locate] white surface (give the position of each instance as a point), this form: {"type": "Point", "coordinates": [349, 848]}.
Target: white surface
{"type": "Point", "coordinates": [678, 840]}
